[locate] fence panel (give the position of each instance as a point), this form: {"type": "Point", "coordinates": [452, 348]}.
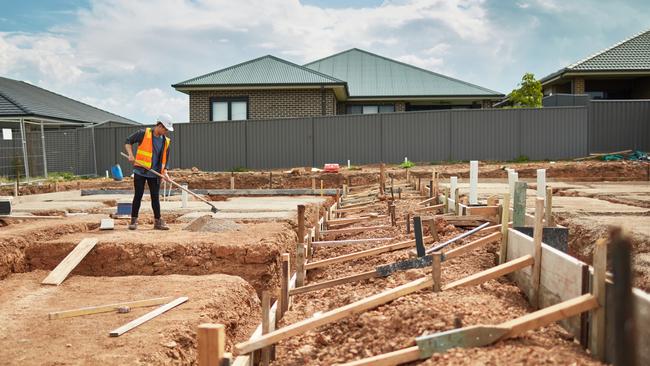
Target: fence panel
{"type": "Point", "coordinates": [62, 152]}
{"type": "Point", "coordinates": [209, 146]}
{"type": "Point", "coordinates": [418, 136]}
{"type": "Point", "coordinates": [619, 125]}
{"type": "Point", "coordinates": [11, 151]}
{"type": "Point", "coordinates": [554, 133]}
{"type": "Point", "coordinates": [485, 134]}
{"type": "Point", "coordinates": [279, 143]}
{"type": "Point", "coordinates": [351, 137]}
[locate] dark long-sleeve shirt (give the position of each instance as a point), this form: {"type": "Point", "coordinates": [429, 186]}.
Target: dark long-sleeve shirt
{"type": "Point", "coordinates": [156, 158]}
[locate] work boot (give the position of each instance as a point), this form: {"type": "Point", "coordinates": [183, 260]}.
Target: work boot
{"type": "Point", "coordinates": [159, 224]}
{"type": "Point", "coordinates": [134, 223]}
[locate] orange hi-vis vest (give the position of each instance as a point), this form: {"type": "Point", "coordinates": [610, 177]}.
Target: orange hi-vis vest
{"type": "Point", "coordinates": [144, 155]}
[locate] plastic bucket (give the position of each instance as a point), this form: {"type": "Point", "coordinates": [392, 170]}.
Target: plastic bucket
{"type": "Point", "coordinates": [116, 171]}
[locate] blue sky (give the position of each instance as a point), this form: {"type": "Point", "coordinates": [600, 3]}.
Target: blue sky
{"type": "Point", "coordinates": [123, 55]}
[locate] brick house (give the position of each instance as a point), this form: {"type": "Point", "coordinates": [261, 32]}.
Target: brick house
{"type": "Point", "coordinates": [619, 72]}
{"type": "Point", "coordinates": [350, 82]}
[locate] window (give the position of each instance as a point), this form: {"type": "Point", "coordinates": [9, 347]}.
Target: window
{"type": "Point", "coordinates": [229, 109]}
{"type": "Point", "coordinates": [370, 108]}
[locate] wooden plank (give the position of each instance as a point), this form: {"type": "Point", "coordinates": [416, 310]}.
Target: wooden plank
{"type": "Point", "coordinates": [107, 308]}
{"type": "Point", "coordinates": [335, 282]}
{"type": "Point", "coordinates": [355, 209]}
{"type": "Point", "coordinates": [405, 355]}
{"type": "Point", "coordinates": [561, 277]}
{"type": "Point", "coordinates": [336, 243]}
{"type": "Point", "coordinates": [597, 337]}
{"type": "Point", "coordinates": [492, 273]}
{"type": "Point", "coordinates": [30, 217]}
{"type": "Point", "coordinates": [537, 251]}
{"type": "Point", "coordinates": [353, 230]}
{"type": "Point", "coordinates": [349, 221]}
{"type": "Point", "coordinates": [430, 208]}
{"type": "Point", "coordinates": [334, 315]}
{"type": "Point", "coordinates": [146, 317]}
{"type": "Point", "coordinates": [301, 223]}
{"type": "Point", "coordinates": [487, 211]}
{"type": "Point", "coordinates": [624, 334]}
{"type": "Point", "coordinates": [482, 334]}
{"type": "Point", "coordinates": [211, 344]}
{"type": "Point", "coordinates": [361, 254]}
{"type": "Point", "coordinates": [456, 252]}
{"type": "Point", "coordinates": [430, 199]}
{"type": "Point", "coordinates": [550, 315]}
{"type": "Point", "coordinates": [61, 272]}
{"type": "Point", "coordinates": [505, 218]}
{"type": "Point", "coordinates": [363, 204]}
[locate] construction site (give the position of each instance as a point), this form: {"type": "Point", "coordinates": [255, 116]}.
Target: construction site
{"type": "Point", "coordinates": [465, 263]}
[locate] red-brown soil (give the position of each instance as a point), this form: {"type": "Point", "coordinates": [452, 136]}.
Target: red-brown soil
{"type": "Point", "coordinates": [29, 338]}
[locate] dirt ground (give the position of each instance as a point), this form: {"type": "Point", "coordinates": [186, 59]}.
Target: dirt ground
{"type": "Point", "coordinates": [565, 170]}
{"type": "Point", "coordinates": [395, 325]}
{"type": "Point", "coordinates": [28, 337]}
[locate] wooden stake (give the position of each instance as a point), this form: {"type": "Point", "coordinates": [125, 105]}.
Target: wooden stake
{"type": "Point", "coordinates": [345, 190]}
{"type": "Point", "coordinates": [549, 207]}
{"type": "Point", "coordinates": [309, 247]}
{"type": "Point", "coordinates": [408, 223]}
{"type": "Point", "coordinates": [321, 190]}
{"type": "Point", "coordinates": [211, 339]}
{"type": "Point", "coordinates": [537, 251]}
{"type": "Point", "coordinates": [266, 326]}
{"type": "Point", "coordinates": [598, 326]}
{"type": "Point", "coordinates": [431, 193]}
{"type": "Point", "coordinates": [232, 180]}
{"type": "Point", "coordinates": [433, 229]}
{"type": "Point", "coordinates": [317, 227]}
{"type": "Point", "coordinates": [435, 271]}
{"type": "Point", "coordinates": [519, 204]}
{"type": "Point", "coordinates": [419, 242]}
{"type": "Point", "coordinates": [313, 183]}
{"type": "Point", "coordinates": [300, 264]}
{"type": "Point", "coordinates": [270, 180]}
{"type": "Point", "coordinates": [392, 214]}
{"type": "Point", "coordinates": [382, 179]}
{"type": "Point", "coordinates": [457, 201]}
{"type": "Point", "coordinates": [505, 218]}
{"type": "Point", "coordinates": [301, 223]}
{"type": "Point", "coordinates": [446, 199]}
{"type": "Point", "coordinates": [625, 340]}
{"type": "Point", "coordinates": [284, 287]}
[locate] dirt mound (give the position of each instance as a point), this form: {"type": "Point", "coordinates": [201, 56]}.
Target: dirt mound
{"type": "Point", "coordinates": [210, 224]}
{"type": "Point", "coordinates": [30, 339]}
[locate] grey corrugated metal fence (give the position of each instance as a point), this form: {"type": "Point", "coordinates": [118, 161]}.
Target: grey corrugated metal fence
{"type": "Point", "coordinates": [486, 134]}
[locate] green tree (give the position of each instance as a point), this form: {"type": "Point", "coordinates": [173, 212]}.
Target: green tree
{"type": "Point", "coordinates": [528, 94]}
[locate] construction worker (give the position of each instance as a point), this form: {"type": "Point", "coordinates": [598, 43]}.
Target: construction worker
{"type": "Point", "coordinates": [152, 153]}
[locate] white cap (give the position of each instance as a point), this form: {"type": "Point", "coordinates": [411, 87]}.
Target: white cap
{"type": "Point", "coordinates": [166, 121]}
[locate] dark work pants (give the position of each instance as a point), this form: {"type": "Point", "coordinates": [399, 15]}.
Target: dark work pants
{"type": "Point", "coordinates": [154, 190]}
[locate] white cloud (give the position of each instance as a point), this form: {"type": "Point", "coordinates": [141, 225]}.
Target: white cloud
{"type": "Point", "coordinates": [124, 54]}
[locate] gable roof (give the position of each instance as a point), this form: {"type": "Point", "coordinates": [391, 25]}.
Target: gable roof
{"type": "Point", "coordinates": [20, 99]}
{"type": "Point", "coordinates": [371, 75]}
{"type": "Point", "coordinates": [632, 54]}
{"type": "Point", "coordinates": [265, 70]}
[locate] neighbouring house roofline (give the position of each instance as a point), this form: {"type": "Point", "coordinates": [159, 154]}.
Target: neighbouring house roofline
{"type": "Point", "coordinates": [407, 65]}
{"type": "Point", "coordinates": [566, 72]}
{"type": "Point", "coordinates": [627, 57]}
{"type": "Point", "coordinates": [427, 97]}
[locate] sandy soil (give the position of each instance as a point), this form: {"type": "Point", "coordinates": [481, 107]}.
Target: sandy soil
{"type": "Point", "coordinates": [29, 338]}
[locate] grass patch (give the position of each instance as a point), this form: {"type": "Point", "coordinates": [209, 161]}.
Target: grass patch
{"type": "Point", "coordinates": [354, 167]}
{"type": "Point", "coordinates": [240, 169]}
{"type": "Point", "coordinates": [407, 165]}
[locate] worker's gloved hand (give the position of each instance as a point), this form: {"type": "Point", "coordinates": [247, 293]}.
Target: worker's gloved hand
{"type": "Point", "coordinates": [131, 159]}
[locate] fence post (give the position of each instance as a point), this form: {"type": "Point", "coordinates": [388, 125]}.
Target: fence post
{"type": "Point", "coordinates": [44, 153]}
{"type": "Point", "coordinates": [23, 136]}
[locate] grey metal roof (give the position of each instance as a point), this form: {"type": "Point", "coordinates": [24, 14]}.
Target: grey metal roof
{"type": "Point", "coordinates": [266, 70]}
{"type": "Point", "coordinates": [18, 98]}
{"type": "Point", "coordinates": [632, 54]}
{"type": "Point", "coordinates": [371, 75]}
